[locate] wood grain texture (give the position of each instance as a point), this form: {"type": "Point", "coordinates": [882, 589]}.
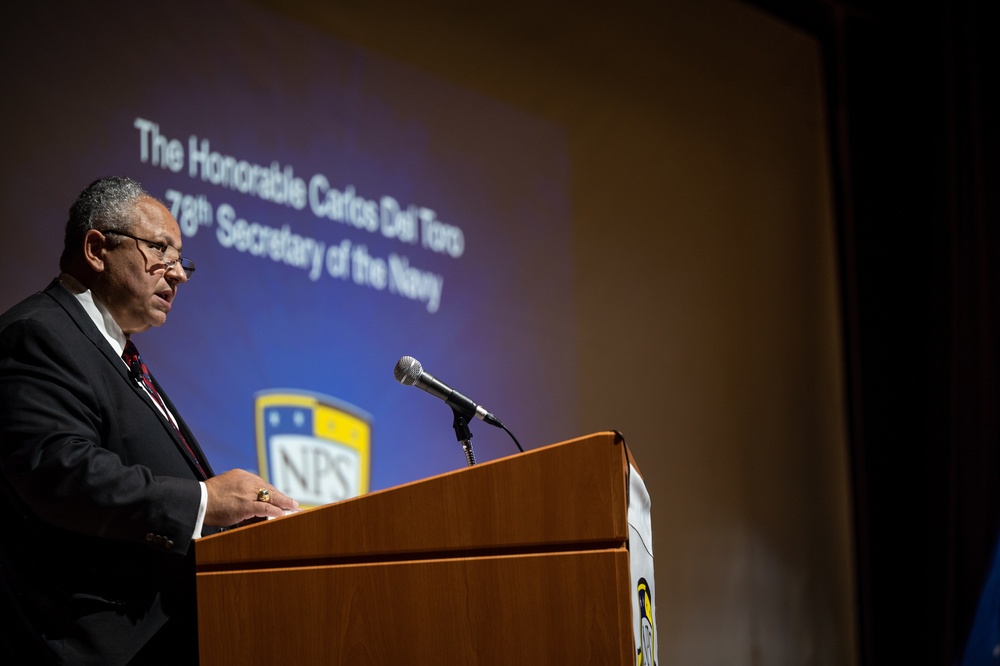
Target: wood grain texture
{"type": "Point", "coordinates": [573, 492]}
{"type": "Point", "coordinates": [571, 608]}
{"type": "Point", "coordinates": [520, 560]}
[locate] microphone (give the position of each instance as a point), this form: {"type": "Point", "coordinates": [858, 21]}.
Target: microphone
{"type": "Point", "coordinates": [409, 372]}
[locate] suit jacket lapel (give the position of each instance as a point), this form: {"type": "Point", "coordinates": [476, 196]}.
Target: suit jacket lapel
{"type": "Point", "coordinates": [188, 435]}
{"type": "Point", "coordinates": [83, 321]}
{"type": "Point", "coordinates": [72, 306]}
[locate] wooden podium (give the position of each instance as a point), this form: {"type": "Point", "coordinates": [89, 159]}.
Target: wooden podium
{"type": "Point", "coordinates": [521, 560]}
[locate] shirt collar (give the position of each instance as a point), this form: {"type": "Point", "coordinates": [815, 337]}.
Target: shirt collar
{"type": "Point", "coordinates": [97, 311]}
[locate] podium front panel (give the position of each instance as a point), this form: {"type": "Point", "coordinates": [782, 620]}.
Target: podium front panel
{"type": "Point", "coordinates": [571, 608]}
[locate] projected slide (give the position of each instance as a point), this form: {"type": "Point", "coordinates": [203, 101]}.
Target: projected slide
{"type": "Point", "coordinates": [343, 210]}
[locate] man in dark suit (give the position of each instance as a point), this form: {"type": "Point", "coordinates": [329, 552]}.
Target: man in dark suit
{"type": "Point", "coordinates": [104, 485]}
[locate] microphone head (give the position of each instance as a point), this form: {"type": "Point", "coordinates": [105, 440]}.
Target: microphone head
{"type": "Point", "coordinates": [408, 371]}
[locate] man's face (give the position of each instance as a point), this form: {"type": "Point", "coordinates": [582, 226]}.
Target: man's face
{"type": "Point", "coordinates": [136, 286]}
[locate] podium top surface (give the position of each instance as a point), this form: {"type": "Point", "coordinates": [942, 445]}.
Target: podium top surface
{"type": "Point", "coordinates": [570, 495]}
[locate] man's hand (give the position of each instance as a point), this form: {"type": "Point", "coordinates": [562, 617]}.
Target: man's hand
{"type": "Point", "coordinates": [232, 498]}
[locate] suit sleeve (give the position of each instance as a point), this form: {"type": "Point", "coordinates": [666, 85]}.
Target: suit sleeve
{"type": "Point", "coordinates": [78, 454]}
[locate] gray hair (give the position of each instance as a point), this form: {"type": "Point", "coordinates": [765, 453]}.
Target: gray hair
{"type": "Point", "coordinates": [107, 203]}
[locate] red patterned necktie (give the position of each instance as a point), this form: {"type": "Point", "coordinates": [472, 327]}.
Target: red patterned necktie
{"type": "Point", "coordinates": [141, 373]}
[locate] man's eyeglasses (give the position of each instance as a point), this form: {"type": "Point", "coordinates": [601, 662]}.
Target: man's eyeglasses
{"type": "Point", "coordinates": [159, 251]}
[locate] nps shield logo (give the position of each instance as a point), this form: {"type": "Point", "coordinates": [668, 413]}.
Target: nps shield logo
{"type": "Point", "coordinates": [314, 448]}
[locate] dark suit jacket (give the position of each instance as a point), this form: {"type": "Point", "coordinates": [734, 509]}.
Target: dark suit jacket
{"type": "Point", "coordinates": [100, 495]}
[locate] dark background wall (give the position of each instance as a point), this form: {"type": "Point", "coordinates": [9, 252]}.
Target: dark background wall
{"type": "Point", "coordinates": [913, 99]}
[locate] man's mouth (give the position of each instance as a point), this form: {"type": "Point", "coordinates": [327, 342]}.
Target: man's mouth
{"type": "Point", "coordinates": [166, 296]}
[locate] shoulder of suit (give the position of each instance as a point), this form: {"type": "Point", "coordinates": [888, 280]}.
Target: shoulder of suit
{"type": "Point", "coordinates": [55, 307]}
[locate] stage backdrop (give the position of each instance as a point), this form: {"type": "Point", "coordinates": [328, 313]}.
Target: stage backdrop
{"type": "Point", "coordinates": [343, 210]}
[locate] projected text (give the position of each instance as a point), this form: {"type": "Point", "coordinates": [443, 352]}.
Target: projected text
{"type": "Point", "coordinates": [342, 259]}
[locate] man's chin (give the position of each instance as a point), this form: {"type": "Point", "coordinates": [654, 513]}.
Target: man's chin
{"type": "Point", "coordinates": [158, 319]}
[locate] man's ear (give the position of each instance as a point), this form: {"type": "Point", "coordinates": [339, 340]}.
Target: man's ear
{"type": "Point", "coordinates": [94, 248]}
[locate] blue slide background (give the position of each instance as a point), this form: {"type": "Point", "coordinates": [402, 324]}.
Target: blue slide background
{"type": "Point", "coordinates": [265, 90]}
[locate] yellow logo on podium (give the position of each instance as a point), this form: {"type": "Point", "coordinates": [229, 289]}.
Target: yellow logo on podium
{"type": "Point", "coordinates": [645, 651]}
{"type": "Point", "coordinates": [312, 447]}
